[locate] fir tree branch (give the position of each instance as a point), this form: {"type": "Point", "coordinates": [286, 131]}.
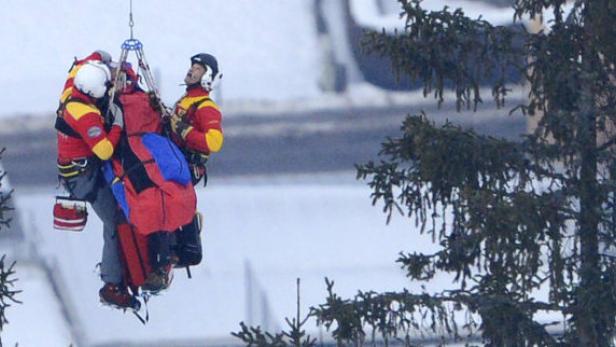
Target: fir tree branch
{"type": "Point", "coordinates": [296, 335]}
{"type": "Point", "coordinates": [4, 198]}
{"type": "Point", "coordinates": [7, 294]}
{"type": "Point", "coordinates": [443, 48]}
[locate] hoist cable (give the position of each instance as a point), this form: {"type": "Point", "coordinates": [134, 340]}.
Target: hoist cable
{"type": "Point", "coordinates": [131, 23]}
{"type": "Point", "coordinates": [143, 68]}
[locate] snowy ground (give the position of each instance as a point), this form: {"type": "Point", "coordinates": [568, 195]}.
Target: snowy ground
{"type": "Point", "coordinates": [39, 321]}
{"type": "Point", "coordinates": [261, 234]}
{"type": "Point", "coordinates": [277, 61]}
{"type": "Point", "coordinates": [259, 237]}
{"type": "Point", "coordinates": [282, 61]}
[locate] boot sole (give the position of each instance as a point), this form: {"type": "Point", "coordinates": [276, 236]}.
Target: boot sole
{"type": "Point", "coordinates": [135, 307]}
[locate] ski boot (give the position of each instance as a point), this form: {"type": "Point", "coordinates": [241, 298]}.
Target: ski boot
{"type": "Point", "coordinates": [117, 296]}
{"type": "Point", "coordinates": [188, 249]}
{"type": "Point", "coordinates": [158, 280]}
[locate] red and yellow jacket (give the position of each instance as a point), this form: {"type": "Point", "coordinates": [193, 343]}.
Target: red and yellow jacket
{"type": "Point", "coordinates": [68, 85]}
{"type": "Point", "coordinates": [85, 134]}
{"type": "Point", "coordinates": [199, 111]}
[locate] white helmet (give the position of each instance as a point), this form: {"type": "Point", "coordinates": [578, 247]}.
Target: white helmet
{"type": "Point", "coordinates": [209, 82]}
{"type": "Point", "coordinates": [93, 78]}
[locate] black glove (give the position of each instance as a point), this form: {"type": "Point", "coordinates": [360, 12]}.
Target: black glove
{"type": "Point", "coordinates": [154, 102]}
{"type": "Point", "coordinates": [179, 127]}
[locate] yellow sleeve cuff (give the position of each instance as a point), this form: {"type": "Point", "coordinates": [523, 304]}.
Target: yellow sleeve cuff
{"type": "Point", "coordinates": [214, 139]}
{"type": "Point", "coordinates": [103, 149]}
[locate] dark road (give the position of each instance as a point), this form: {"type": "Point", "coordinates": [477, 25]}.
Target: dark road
{"type": "Point", "coordinates": [307, 142]}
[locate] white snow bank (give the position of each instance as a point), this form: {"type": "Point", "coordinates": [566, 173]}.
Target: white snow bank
{"type": "Point", "coordinates": [5, 186]}
{"type": "Point", "coordinates": [260, 235]}
{"type": "Point", "coordinates": [271, 233]}
{"type": "Point", "coordinates": [266, 49]}
{"type": "Point", "coordinates": [39, 320]}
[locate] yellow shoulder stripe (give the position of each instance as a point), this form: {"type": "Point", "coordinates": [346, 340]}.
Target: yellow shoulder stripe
{"type": "Point", "coordinates": [209, 103]}
{"type": "Point", "coordinates": [103, 149]}
{"type": "Point", "coordinates": [78, 110]}
{"type": "Point", "coordinates": [214, 140]}
{"type": "Point", "coordinates": [66, 94]}
{"type": "Point", "coordinates": [186, 102]}
{"type": "Point", "coordinates": [73, 71]}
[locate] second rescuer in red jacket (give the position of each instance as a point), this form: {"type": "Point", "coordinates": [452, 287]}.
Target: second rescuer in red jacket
{"type": "Point", "coordinates": [196, 127]}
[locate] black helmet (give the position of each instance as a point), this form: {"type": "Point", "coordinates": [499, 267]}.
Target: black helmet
{"type": "Point", "coordinates": [210, 79]}
{"type": "Point", "coordinates": [208, 61]}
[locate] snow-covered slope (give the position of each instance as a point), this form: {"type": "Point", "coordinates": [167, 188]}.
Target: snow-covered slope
{"type": "Point", "coordinates": [266, 48]}
{"type": "Point", "coordinates": [258, 239]}
{"type": "Point", "coordinates": [39, 321]}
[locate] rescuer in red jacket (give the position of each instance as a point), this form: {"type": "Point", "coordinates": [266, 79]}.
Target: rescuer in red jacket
{"type": "Point", "coordinates": [196, 126]}
{"type": "Point", "coordinates": [85, 139]}
{"type": "Point", "coordinates": [197, 120]}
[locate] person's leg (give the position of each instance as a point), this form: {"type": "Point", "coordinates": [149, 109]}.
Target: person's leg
{"type": "Point", "coordinates": [104, 205]}
{"type": "Point", "coordinates": [91, 188]}
{"type": "Point", "coordinates": [159, 248]}
{"type": "Point", "coordinates": [114, 291]}
{"type": "Point", "coordinates": [188, 246]}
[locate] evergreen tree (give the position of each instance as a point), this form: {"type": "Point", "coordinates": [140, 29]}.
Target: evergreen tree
{"type": "Point", "coordinates": [513, 218]}
{"type": "Point", "coordinates": [7, 272]}
{"type": "Point", "coordinates": [4, 200]}
{"type": "Point", "coordinates": [294, 336]}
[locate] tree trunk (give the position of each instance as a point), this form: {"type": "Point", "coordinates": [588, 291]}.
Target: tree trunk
{"type": "Point", "coordinates": [589, 320]}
